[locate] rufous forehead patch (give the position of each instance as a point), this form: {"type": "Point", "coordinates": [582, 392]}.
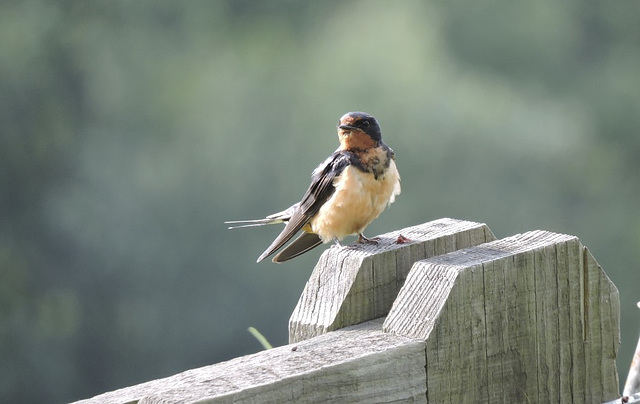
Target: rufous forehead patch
{"type": "Point", "coordinates": [347, 119]}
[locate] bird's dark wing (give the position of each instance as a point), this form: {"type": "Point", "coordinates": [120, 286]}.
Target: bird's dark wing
{"type": "Point", "coordinates": [302, 244]}
{"type": "Point", "coordinates": [319, 192]}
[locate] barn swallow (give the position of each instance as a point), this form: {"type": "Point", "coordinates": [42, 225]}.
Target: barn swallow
{"type": "Point", "coordinates": [348, 191]}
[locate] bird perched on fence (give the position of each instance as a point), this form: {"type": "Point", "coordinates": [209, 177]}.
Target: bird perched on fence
{"type": "Point", "coordinates": [347, 192]}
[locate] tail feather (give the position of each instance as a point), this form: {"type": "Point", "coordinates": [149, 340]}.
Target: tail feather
{"type": "Point", "coordinates": [238, 224]}
{"type": "Point", "coordinates": [275, 218]}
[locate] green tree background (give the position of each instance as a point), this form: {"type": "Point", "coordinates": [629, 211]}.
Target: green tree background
{"type": "Point", "coordinates": [131, 130]}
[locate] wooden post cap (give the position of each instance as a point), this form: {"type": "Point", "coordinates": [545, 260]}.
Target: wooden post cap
{"type": "Point", "coordinates": [531, 318]}
{"type": "Point", "coordinates": [357, 283]}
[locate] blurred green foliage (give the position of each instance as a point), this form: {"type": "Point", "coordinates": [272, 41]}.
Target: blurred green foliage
{"type": "Point", "coordinates": [131, 130]}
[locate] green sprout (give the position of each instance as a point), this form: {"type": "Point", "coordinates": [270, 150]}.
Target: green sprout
{"type": "Point", "coordinates": [257, 335]}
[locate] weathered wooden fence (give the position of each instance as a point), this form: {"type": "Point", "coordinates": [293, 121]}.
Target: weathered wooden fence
{"type": "Point", "coordinates": [455, 316]}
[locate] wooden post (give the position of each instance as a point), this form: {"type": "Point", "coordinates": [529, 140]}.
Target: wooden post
{"type": "Point", "coordinates": [527, 319]}
{"type": "Point", "coordinates": [632, 385]}
{"type": "Point", "coordinates": [353, 285]}
{"type": "Point", "coordinates": [530, 318]}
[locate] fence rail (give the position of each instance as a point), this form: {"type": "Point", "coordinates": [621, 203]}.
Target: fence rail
{"type": "Point", "coordinates": [452, 316]}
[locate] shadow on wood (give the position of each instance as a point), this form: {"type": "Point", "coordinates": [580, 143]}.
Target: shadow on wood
{"type": "Point", "coordinates": [531, 318]}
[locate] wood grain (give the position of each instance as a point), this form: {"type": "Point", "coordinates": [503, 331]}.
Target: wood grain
{"type": "Point", "coordinates": [353, 284]}
{"type": "Point", "coordinates": [360, 364]}
{"type": "Point", "coordinates": [529, 318]}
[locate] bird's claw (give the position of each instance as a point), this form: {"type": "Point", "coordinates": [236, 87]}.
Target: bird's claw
{"type": "Point", "coordinates": [365, 240]}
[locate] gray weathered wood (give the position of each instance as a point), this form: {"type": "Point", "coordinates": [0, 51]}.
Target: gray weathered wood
{"type": "Point", "coordinates": [632, 385]}
{"type": "Point", "coordinates": [359, 364]}
{"type": "Point", "coordinates": [350, 285]}
{"type": "Point", "coordinates": [527, 319]}
{"type": "Point", "coordinates": [530, 318]}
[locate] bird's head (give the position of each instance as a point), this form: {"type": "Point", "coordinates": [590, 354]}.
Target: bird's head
{"type": "Point", "coordinates": [358, 130]}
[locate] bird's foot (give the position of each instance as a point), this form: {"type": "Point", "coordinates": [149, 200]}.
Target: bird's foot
{"type": "Point", "coordinates": [364, 240]}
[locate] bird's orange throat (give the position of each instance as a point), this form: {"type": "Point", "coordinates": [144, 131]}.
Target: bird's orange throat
{"type": "Point", "coordinates": [355, 140]}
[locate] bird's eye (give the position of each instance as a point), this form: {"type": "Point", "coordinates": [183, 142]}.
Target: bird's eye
{"type": "Point", "coordinates": [365, 124]}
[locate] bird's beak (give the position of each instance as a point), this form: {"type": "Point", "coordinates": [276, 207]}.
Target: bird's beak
{"type": "Point", "coordinates": [347, 127]}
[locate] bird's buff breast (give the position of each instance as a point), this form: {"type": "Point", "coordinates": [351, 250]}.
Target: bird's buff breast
{"type": "Point", "coordinates": [359, 198]}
